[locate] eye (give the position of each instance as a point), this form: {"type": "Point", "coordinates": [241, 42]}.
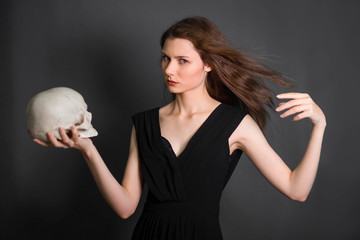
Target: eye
{"type": "Point", "coordinates": [183, 61]}
{"type": "Point", "coordinates": [164, 58]}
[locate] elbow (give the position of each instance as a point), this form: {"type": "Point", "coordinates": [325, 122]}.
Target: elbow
{"type": "Point", "coordinates": [126, 209]}
{"type": "Point", "coordinates": [299, 197]}
{"type": "Point", "coordinates": [126, 214]}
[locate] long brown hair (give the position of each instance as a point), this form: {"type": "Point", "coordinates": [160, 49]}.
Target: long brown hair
{"type": "Point", "coordinates": [234, 76]}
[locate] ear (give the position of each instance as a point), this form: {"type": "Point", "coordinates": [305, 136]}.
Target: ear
{"type": "Point", "coordinates": [207, 68]}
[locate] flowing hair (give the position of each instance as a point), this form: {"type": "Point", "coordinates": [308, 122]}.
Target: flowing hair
{"type": "Point", "coordinates": [235, 78]}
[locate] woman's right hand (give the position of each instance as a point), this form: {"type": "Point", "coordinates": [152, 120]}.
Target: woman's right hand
{"type": "Point", "coordinates": [124, 197]}
{"type": "Point", "coordinates": [75, 141]}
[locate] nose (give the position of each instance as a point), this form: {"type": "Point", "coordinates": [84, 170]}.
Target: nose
{"type": "Point", "coordinates": [169, 68]}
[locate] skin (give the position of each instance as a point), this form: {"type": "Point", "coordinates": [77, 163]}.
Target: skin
{"type": "Point", "coordinates": [185, 74]}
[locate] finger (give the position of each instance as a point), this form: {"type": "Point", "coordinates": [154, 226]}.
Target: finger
{"type": "Point", "coordinates": [41, 142]}
{"type": "Point", "coordinates": [75, 134]}
{"type": "Point", "coordinates": [300, 116]}
{"type": "Point", "coordinates": [294, 110]}
{"type": "Point", "coordinates": [292, 103]}
{"type": "Point", "coordinates": [54, 141]}
{"type": "Point", "coordinates": [65, 139]}
{"type": "Point", "coordinates": [294, 95]}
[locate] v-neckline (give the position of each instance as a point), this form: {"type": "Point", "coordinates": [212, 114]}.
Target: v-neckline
{"type": "Point", "coordinates": [192, 138]}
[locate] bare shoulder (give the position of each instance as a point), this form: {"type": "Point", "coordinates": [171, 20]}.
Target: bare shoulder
{"type": "Point", "coordinates": [246, 132]}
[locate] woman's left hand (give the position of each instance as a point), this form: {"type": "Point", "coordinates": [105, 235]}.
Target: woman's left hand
{"type": "Point", "coordinates": [303, 106]}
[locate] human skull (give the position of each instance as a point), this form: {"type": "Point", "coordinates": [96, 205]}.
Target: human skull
{"type": "Point", "coordinates": [58, 107]}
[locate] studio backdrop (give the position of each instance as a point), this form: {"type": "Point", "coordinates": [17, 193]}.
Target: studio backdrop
{"type": "Point", "coordinates": [109, 52]}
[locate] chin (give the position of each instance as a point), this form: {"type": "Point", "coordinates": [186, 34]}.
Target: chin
{"type": "Point", "coordinates": [174, 91]}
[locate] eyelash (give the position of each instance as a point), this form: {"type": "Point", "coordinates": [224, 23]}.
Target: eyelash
{"type": "Point", "coordinates": [166, 58]}
{"type": "Point", "coordinates": [183, 61]}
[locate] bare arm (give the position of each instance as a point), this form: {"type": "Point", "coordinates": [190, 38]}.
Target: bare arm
{"type": "Point", "coordinates": [295, 184]}
{"type": "Point", "coordinates": [123, 198]}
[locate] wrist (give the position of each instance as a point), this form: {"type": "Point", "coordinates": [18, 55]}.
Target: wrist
{"type": "Point", "coordinates": [88, 151]}
{"type": "Point", "coordinates": [320, 125]}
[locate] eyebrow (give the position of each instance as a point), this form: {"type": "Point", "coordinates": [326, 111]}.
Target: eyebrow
{"type": "Point", "coordinates": [177, 57]}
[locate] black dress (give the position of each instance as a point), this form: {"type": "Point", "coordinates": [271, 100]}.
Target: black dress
{"type": "Point", "coordinates": [185, 191]}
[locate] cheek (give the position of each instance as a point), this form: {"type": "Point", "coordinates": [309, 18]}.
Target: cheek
{"type": "Point", "coordinates": [191, 73]}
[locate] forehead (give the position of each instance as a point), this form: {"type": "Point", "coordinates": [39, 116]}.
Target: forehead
{"type": "Point", "coordinates": [179, 47]}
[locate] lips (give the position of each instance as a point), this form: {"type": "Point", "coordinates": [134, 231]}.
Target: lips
{"type": "Point", "coordinates": [172, 83]}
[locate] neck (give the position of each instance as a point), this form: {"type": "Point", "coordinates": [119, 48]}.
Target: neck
{"type": "Point", "coordinates": [191, 102]}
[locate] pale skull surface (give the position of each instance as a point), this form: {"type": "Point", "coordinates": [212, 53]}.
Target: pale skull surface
{"type": "Point", "coordinates": [58, 107]}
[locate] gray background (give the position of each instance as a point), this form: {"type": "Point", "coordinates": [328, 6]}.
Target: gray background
{"type": "Point", "coordinates": [109, 52]}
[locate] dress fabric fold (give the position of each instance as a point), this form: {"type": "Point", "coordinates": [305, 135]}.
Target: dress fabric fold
{"type": "Point", "coordinates": [184, 191]}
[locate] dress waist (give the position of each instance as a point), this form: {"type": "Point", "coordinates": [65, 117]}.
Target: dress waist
{"type": "Point", "coordinates": [181, 207]}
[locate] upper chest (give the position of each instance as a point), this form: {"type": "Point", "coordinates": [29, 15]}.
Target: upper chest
{"type": "Point", "coordinates": [179, 130]}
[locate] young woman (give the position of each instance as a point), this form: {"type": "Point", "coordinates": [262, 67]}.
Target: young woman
{"type": "Point", "coordinates": [187, 150]}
